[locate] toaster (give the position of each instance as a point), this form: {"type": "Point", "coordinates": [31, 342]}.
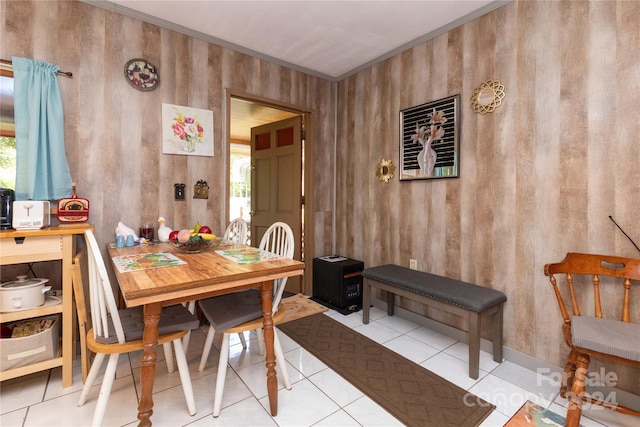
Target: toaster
{"type": "Point", "coordinates": [30, 214]}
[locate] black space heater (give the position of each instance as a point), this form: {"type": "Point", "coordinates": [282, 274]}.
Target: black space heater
{"type": "Point", "coordinates": [337, 280]}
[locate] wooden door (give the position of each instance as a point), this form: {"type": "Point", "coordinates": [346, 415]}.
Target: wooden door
{"type": "Point", "coordinates": [276, 182]}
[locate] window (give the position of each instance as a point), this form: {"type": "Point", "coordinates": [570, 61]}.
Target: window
{"type": "Point", "coordinates": [7, 129]}
{"type": "Point", "coordinates": [240, 182]}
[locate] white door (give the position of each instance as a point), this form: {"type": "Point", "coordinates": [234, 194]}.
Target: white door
{"type": "Point", "coordinates": [276, 182]}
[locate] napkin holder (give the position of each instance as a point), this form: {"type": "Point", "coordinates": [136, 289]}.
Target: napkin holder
{"type": "Point", "coordinates": [31, 214]}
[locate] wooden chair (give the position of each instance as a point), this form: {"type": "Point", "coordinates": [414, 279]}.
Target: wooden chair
{"type": "Point", "coordinates": [601, 335]}
{"type": "Point", "coordinates": [236, 231]}
{"type": "Point", "coordinates": [78, 279]}
{"type": "Point", "coordinates": [81, 309]}
{"type": "Point", "coordinates": [242, 311]}
{"type": "Point", "coordinates": [115, 332]}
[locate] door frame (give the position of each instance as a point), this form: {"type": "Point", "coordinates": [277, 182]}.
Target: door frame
{"type": "Point", "coordinates": [307, 185]}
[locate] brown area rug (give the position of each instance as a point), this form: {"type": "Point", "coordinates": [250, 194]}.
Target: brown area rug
{"type": "Point", "coordinates": [411, 393]}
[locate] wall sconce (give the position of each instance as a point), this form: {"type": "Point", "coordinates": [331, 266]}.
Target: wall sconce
{"type": "Point", "coordinates": [385, 170]}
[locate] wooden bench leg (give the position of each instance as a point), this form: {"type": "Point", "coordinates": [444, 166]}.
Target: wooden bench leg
{"type": "Point", "coordinates": [496, 328]}
{"type": "Point", "coordinates": [391, 303]}
{"type": "Point", "coordinates": [366, 301]}
{"type": "Point", "coordinates": [474, 345]}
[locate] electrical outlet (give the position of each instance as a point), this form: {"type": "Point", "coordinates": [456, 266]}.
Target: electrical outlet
{"type": "Point", "coordinates": [413, 264]}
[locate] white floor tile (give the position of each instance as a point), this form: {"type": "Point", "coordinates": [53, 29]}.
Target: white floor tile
{"type": "Point", "coordinates": [397, 323]}
{"type": "Point", "coordinates": [295, 407]}
{"type": "Point", "coordinates": [351, 320]}
{"type": "Point", "coordinates": [411, 348]}
{"type": "Point", "coordinates": [170, 407]}
{"type": "Point", "coordinates": [452, 369]}
{"type": "Point", "coordinates": [433, 338]}
{"type": "Point", "coordinates": [369, 413]}
{"type": "Point", "coordinates": [235, 390]}
{"type": "Point", "coordinates": [338, 419]}
{"type": "Point", "coordinates": [64, 410]}
{"type": "Point", "coordinates": [255, 378]}
{"type": "Point", "coordinates": [13, 419]}
{"type": "Point", "coordinates": [377, 332]}
{"type": "Point", "coordinates": [54, 388]}
{"type": "Point", "coordinates": [21, 394]}
{"type": "Point", "coordinates": [507, 397]}
{"type": "Point", "coordinates": [461, 351]}
{"type": "Point", "coordinates": [337, 388]}
{"type": "Point", "coordinates": [495, 419]}
{"type": "Point", "coordinates": [304, 362]}
{"type": "Point", "coordinates": [287, 343]}
{"type": "Point", "coordinates": [319, 396]}
{"type": "Point", "coordinates": [246, 413]}
{"type": "Point", "coordinates": [374, 314]}
{"type": "Point", "coordinates": [540, 383]}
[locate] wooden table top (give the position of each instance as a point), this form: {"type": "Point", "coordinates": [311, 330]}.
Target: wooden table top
{"type": "Point", "coordinates": [204, 274]}
{"type": "Point", "coordinates": [52, 230]}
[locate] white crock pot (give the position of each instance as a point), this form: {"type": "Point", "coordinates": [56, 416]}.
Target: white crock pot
{"type": "Point", "coordinates": [22, 294]}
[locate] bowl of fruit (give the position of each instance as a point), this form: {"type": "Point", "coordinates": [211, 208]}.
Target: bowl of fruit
{"type": "Point", "coordinates": [192, 240]}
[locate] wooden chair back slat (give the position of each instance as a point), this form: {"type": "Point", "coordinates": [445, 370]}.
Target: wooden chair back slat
{"type": "Point", "coordinates": [596, 296]}
{"type": "Point", "coordinates": [574, 300]}
{"type": "Point", "coordinates": [626, 310]}
{"type": "Point", "coordinates": [563, 308]}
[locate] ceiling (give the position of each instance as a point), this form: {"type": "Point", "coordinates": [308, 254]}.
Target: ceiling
{"type": "Point", "coordinates": [328, 39]}
{"type": "Point", "coordinates": [246, 115]}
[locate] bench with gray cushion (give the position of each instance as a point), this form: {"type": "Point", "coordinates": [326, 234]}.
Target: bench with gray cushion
{"type": "Point", "coordinates": [450, 295]}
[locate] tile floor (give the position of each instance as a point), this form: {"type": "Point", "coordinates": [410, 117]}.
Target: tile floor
{"type": "Point", "coordinates": [319, 396]}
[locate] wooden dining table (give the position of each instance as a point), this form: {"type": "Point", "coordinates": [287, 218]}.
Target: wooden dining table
{"type": "Point", "coordinates": [216, 270]}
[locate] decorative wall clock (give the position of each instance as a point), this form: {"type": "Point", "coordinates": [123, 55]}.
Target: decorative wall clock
{"type": "Point", "coordinates": [141, 74]}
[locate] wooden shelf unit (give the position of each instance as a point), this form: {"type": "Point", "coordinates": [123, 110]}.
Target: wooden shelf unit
{"type": "Point", "coordinates": [51, 243]}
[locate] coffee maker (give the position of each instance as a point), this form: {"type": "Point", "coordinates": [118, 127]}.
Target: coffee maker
{"type": "Point", "coordinates": [8, 196]}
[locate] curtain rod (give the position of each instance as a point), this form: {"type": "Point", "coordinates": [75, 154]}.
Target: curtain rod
{"type": "Point", "coordinates": [10, 66]}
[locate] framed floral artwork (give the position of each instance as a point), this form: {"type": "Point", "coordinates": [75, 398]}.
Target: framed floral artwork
{"type": "Point", "coordinates": [187, 131]}
{"type": "Point", "coordinates": [429, 140]}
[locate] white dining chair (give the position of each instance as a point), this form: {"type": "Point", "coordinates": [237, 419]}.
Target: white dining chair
{"type": "Point", "coordinates": [115, 332]}
{"type": "Point", "coordinates": [236, 231]}
{"type": "Point", "coordinates": [242, 311]}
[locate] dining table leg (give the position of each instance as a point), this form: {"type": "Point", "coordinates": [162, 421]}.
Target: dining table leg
{"type": "Point", "coordinates": [266, 289]}
{"type": "Point", "coordinates": [148, 365]}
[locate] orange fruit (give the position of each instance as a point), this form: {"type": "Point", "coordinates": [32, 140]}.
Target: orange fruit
{"type": "Point", "coordinates": [184, 235]}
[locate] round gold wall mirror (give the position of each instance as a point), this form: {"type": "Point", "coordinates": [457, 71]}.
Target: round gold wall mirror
{"type": "Point", "coordinates": [385, 170]}
{"type": "Point", "coordinates": [487, 97]}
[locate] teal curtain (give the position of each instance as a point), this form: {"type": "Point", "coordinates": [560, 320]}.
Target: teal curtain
{"type": "Point", "coordinates": [42, 171]}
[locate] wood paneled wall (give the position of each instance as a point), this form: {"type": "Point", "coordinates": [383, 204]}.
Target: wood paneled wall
{"type": "Point", "coordinates": [113, 132]}
{"type": "Point", "coordinates": [539, 177]}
